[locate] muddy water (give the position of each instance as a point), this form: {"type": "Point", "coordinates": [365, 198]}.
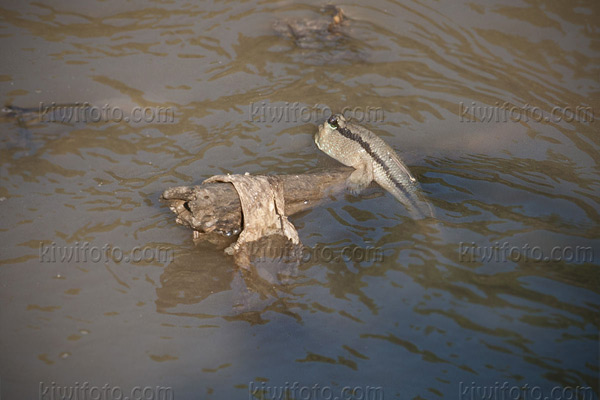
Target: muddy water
{"type": "Point", "coordinates": [492, 107]}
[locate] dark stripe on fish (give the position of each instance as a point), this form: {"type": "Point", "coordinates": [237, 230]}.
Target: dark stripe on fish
{"type": "Point", "coordinates": [367, 147]}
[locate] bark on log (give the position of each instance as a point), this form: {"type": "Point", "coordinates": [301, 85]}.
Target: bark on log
{"type": "Point", "coordinates": [216, 208]}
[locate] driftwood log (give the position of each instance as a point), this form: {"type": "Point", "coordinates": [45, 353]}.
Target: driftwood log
{"type": "Point", "coordinates": [216, 207]}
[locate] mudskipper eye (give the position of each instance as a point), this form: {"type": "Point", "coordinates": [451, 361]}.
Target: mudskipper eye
{"type": "Point", "coordinates": [333, 122]}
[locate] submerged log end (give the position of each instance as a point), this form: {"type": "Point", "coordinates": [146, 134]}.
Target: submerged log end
{"type": "Point", "coordinates": [208, 208]}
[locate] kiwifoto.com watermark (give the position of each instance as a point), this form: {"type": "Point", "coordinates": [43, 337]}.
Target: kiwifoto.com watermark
{"type": "Point", "coordinates": [318, 253]}
{"type": "Point", "coordinates": [85, 391]}
{"type": "Point", "coordinates": [85, 252]}
{"type": "Point", "coordinates": [505, 252]}
{"type": "Point", "coordinates": [505, 112]}
{"type": "Point", "coordinates": [86, 113]}
{"type": "Point", "coordinates": [506, 391]}
{"type": "Point", "coordinates": [296, 112]}
{"type": "Point", "coordinates": [297, 391]}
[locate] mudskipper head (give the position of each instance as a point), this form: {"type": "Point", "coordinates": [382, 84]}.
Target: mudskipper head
{"type": "Point", "coordinates": [329, 127]}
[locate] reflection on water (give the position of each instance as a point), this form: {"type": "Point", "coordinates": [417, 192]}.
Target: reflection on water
{"type": "Point", "coordinates": [419, 321]}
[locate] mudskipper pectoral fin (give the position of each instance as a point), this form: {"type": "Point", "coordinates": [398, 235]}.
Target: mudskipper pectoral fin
{"type": "Point", "coordinates": [360, 178]}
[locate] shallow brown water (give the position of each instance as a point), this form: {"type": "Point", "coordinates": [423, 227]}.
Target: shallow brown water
{"type": "Point", "coordinates": [433, 317]}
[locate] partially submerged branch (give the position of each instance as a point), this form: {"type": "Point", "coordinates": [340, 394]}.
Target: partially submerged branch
{"type": "Point", "coordinates": [216, 207]}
